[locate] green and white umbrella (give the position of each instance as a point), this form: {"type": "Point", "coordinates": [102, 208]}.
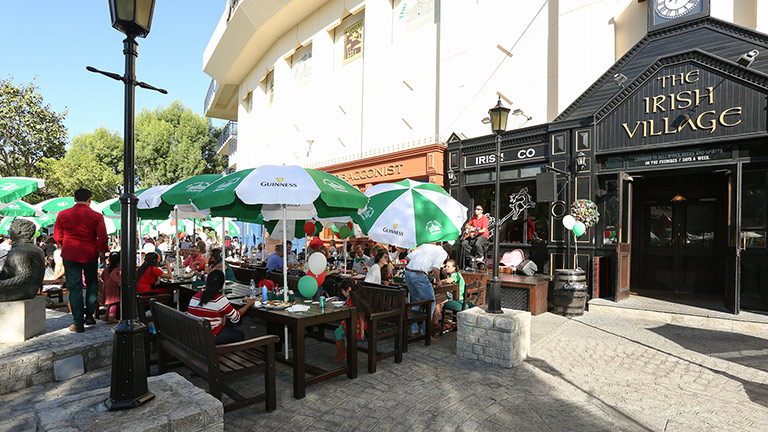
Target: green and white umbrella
{"type": "Point", "coordinates": [20, 208]}
{"type": "Point", "coordinates": [14, 188]}
{"type": "Point", "coordinates": [410, 213]}
{"type": "Point", "coordinates": [216, 223]}
{"type": "Point", "coordinates": [262, 191]}
{"type": "Point", "coordinates": [159, 201]}
{"type": "Point", "coordinates": [40, 222]}
{"type": "Point", "coordinates": [55, 205]}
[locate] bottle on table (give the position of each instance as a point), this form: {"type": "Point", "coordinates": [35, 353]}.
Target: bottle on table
{"type": "Point", "coordinates": [252, 289]}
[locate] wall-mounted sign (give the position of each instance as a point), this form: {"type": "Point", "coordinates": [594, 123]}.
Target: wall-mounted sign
{"type": "Point", "coordinates": [681, 157]}
{"type": "Point", "coordinates": [521, 154]}
{"type": "Point", "coordinates": [371, 173]}
{"type": "Point", "coordinates": [680, 103]}
{"type": "Point", "coordinates": [353, 42]}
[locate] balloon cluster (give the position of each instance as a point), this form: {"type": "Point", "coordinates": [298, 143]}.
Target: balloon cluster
{"type": "Point", "coordinates": [584, 214]}
{"type": "Point", "coordinates": [344, 232]}
{"type": "Point", "coordinates": [309, 284]}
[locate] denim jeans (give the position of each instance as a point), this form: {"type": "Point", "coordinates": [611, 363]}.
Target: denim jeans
{"type": "Point", "coordinates": [420, 289]}
{"type": "Point", "coordinates": [74, 272]}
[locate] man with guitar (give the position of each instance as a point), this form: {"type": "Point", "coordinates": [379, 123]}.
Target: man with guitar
{"type": "Point", "coordinates": [476, 233]}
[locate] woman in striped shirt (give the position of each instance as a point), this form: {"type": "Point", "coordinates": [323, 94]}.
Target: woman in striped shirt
{"type": "Point", "coordinates": [214, 307]}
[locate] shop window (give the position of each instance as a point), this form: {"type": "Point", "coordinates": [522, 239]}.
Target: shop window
{"type": "Point", "coordinates": [754, 208]}
{"type": "Point", "coordinates": [660, 222]}
{"type": "Point", "coordinates": [532, 225]}
{"type": "Point", "coordinates": [608, 205]}
{"type": "Point", "coordinates": [611, 163]}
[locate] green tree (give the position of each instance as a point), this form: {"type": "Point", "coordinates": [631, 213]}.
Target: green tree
{"type": "Point", "coordinates": [29, 130]}
{"type": "Point", "coordinates": [172, 144]}
{"type": "Point", "coordinates": [94, 161]}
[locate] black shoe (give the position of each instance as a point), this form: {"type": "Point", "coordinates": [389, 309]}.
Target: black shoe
{"type": "Point", "coordinates": [89, 320]}
{"type": "Point", "coordinates": [76, 328]}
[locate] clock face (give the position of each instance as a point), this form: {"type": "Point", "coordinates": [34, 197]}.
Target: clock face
{"type": "Point", "coordinates": [671, 9]}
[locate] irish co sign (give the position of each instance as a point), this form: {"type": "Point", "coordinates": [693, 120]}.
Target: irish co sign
{"type": "Point", "coordinates": [521, 154]}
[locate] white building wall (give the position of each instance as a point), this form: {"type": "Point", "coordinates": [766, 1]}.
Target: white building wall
{"type": "Point", "coordinates": [430, 68]}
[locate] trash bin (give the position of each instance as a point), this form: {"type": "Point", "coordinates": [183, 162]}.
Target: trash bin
{"type": "Point", "coordinates": [570, 292]}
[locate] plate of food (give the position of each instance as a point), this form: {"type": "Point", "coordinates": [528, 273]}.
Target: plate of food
{"type": "Point", "coordinates": [277, 304]}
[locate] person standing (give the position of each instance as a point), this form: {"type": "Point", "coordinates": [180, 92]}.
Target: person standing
{"type": "Point", "coordinates": [477, 233]}
{"type": "Point", "coordinates": [83, 238]}
{"type": "Point", "coordinates": [426, 258]}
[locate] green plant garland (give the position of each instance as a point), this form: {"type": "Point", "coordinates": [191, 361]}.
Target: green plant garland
{"type": "Point", "coordinates": [586, 212]}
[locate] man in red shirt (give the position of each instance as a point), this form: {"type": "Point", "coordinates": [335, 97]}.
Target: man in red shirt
{"type": "Point", "coordinates": [195, 260]}
{"type": "Point", "coordinates": [83, 238]}
{"type": "Point", "coordinates": [477, 233]}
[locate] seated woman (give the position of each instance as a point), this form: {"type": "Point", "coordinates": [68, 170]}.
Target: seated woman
{"type": "Point", "coordinates": [379, 272]}
{"type": "Point", "coordinates": [214, 307]}
{"type": "Point", "coordinates": [54, 271]}
{"type": "Point", "coordinates": [110, 277]}
{"type": "Point", "coordinates": [148, 272]}
{"type": "Point", "coordinates": [216, 262]}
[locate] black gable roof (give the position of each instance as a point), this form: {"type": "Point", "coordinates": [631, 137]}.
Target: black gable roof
{"type": "Point", "coordinates": [710, 35]}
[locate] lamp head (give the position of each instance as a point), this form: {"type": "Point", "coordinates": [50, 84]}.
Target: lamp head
{"type": "Point", "coordinates": [581, 161]}
{"type": "Point", "coordinates": [498, 115]}
{"type": "Point", "coordinates": [619, 79]}
{"type": "Point", "coordinates": [746, 59]}
{"type": "Point", "coordinates": [132, 17]}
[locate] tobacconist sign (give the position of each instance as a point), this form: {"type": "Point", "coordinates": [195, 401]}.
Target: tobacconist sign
{"type": "Point", "coordinates": [682, 157]}
{"type": "Point", "coordinates": [520, 154]}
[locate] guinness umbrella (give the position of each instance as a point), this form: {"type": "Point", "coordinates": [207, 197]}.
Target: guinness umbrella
{"type": "Point", "coordinates": [14, 188]}
{"type": "Point", "coordinates": [20, 208]}
{"type": "Point", "coordinates": [159, 201]}
{"type": "Point", "coordinates": [40, 222]}
{"type": "Point", "coordinates": [55, 205]}
{"type": "Point", "coordinates": [410, 213]}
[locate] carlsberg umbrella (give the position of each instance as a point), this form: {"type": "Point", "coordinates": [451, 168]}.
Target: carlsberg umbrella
{"type": "Point", "coordinates": [410, 213]}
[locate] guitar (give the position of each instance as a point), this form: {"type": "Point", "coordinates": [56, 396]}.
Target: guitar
{"type": "Point", "coordinates": [472, 232]}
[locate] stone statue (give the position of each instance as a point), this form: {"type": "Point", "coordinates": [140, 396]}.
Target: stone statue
{"type": "Point", "coordinates": [24, 269]}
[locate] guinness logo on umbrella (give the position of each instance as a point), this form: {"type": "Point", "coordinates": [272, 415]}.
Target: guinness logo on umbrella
{"type": "Point", "coordinates": [280, 179]}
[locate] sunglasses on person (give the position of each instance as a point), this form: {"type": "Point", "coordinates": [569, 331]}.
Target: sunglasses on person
{"type": "Point", "coordinates": [478, 208]}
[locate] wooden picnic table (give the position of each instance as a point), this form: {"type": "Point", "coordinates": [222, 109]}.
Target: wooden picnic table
{"type": "Point", "coordinates": [297, 323]}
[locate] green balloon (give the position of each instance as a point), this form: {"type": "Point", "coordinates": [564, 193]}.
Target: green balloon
{"type": "Point", "coordinates": [579, 229]}
{"type": "Point", "coordinates": [318, 228]}
{"type": "Point", "coordinates": [345, 232]}
{"type": "Point", "coordinates": [307, 286]}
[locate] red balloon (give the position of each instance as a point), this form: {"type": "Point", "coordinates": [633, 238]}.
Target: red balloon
{"type": "Point", "coordinates": [309, 228]}
{"type": "Point", "coordinates": [182, 234]}
{"type": "Point", "coordinates": [319, 278]}
{"type": "Point", "coordinates": [351, 227]}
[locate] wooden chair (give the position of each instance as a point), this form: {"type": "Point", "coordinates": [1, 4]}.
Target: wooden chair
{"type": "Point", "coordinates": [416, 312]}
{"type": "Point", "coordinates": [471, 294]}
{"type": "Point", "coordinates": [383, 308]}
{"type": "Point", "coordinates": [189, 339]}
{"type": "Point", "coordinates": [470, 277]}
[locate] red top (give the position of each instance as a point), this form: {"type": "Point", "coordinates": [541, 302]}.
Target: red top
{"type": "Point", "coordinates": [81, 233]}
{"type": "Point", "coordinates": [481, 222]}
{"type": "Point", "coordinates": [148, 279]}
{"type": "Point", "coordinates": [197, 263]}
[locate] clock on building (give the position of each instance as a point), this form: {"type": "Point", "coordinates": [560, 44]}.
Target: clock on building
{"type": "Point", "coordinates": [665, 13]}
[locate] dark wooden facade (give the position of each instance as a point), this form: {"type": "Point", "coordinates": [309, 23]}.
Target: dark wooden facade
{"type": "Point", "coordinates": [677, 162]}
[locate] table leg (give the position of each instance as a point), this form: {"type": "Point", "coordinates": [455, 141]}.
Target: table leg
{"type": "Point", "coordinates": [299, 376]}
{"type": "Point", "coordinates": [352, 344]}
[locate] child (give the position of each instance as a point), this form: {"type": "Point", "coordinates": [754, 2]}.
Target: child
{"type": "Point", "coordinates": [454, 277]}
{"type": "Point", "coordinates": [341, 348]}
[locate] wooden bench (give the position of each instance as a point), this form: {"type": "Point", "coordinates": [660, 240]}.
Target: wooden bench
{"type": "Point", "coordinates": [383, 308]}
{"type": "Point", "coordinates": [527, 293]}
{"type": "Point", "coordinates": [189, 339]}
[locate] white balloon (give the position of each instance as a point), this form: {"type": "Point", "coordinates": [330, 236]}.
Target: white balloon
{"type": "Point", "coordinates": [568, 222]}
{"type": "Point", "coordinates": [317, 263]}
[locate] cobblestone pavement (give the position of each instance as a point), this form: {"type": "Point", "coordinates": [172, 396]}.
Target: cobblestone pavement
{"type": "Point", "coordinates": [593, 373]}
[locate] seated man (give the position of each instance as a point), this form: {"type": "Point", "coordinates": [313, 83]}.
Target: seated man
{"type": "Point", "coordinates": [195, 260]}
{"type": "Point", "coordinates": [275, 261]}
{"type": "Point", "coordinates": [476, 234]}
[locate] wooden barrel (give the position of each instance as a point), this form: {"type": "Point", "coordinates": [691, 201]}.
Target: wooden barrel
{"type": "Point", "coordinates": [570, 292]}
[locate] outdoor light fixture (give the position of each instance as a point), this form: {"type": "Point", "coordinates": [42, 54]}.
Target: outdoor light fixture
{"type": "Point", "coordinates": [451, 176]}
{"type": "Point", "coordinates": [581, 161]}
{"type": "Point", "coordinates": [519, 112]}
{"type": "Point", "coordinates": [619, 79]}
{"type": "Point", "coordinates": [746, 59]}
{"type": "Point", "coordinates": [678, 198]}
{"type": "Point", "coordinates": [128, 387]}
{"type": "Point", "coordinates": [498, 115]}
{"type": "Point", "coordinates": [486, 120]}
{"type": "Point", "coordinates": [133, 18]}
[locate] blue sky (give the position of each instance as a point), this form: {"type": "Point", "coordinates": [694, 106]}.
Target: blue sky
{"type": "Point", "coordinates": [56, 40]}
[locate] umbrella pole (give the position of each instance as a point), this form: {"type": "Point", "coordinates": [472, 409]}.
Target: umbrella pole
{"type": "Point", "coordinates": [223, 245]}
{"type": "Point", "coordinates": [344, 256]}
{"type": "Point", "coordinates": [285, 275]}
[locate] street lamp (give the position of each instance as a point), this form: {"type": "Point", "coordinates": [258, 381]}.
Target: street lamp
{"type": "Point", "coordinates": [129, 369]}
{"type": "Point", "coordinates": [499, 115]}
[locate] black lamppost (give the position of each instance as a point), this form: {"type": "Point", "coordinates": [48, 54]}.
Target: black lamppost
{"type": "Point", "coordinates": [498, 116]}
{"type": "Point", "coordinates": [129, 369]}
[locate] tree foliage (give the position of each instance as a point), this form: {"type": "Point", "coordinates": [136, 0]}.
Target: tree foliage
{"type": "Point", "coordinates": [93, 161]}
{"type": "Point", "coordinates": [172, 144]}
{"type": "Point", "coordinates": [29, 130]}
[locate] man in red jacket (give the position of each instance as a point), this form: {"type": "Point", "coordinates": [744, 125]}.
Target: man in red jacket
{"type": "Point", "coordinates": [83, 238]}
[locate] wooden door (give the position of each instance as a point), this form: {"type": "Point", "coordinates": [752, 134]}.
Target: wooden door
{"type": "Point", "coordinates": [623, 250]}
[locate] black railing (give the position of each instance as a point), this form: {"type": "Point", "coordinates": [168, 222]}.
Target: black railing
{"type": "Point", "coordinates": [227, 137]}
{"type": "Point", "coordinates": [209, 96]}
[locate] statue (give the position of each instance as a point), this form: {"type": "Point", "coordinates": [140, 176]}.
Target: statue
{"type": "Point", "coordinates": [22, 275]}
